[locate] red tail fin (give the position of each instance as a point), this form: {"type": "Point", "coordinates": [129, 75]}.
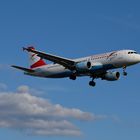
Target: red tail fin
{"type": "Point", "coordinates": [35, 61]}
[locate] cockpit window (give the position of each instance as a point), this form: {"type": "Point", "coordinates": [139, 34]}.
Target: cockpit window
{"type": "Point", "coordinates": [132, 52]}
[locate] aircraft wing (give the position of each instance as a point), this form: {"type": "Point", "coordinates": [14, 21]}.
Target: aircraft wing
{"type": "Point", "coordinates": [67, 63]}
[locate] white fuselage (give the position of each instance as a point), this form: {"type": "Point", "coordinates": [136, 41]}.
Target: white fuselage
{"type": "Point", "coordinates": [112, 60]}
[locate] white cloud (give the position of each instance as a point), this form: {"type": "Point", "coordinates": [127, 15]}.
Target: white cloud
{"type": "Point", "coordinates": [23, 89]}
{"type": "Point", "coordinates": [39, 116]}
{"type": "Point", "coordinates": [27, 89]}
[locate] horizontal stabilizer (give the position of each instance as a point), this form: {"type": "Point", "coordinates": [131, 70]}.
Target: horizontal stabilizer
{"type": "Point", "coordinates": [23, 69]}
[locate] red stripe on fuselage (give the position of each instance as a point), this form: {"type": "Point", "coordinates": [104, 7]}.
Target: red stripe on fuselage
{"type": "Point", "coordinates": [38, 64]}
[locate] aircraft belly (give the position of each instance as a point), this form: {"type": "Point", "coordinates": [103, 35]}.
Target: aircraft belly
{"type": "Point", "coordinates": [59, 74]}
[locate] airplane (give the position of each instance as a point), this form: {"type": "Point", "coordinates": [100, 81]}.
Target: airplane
{"type": "Point", "coordinates": [94, 66]}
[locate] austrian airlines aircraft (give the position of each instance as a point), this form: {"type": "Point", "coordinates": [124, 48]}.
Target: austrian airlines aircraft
{"type": "Point", "coordinates": [95, 66]}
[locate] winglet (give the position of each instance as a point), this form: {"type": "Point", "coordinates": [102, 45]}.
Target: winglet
{"type": "Point", "coordinates": [30, 48]}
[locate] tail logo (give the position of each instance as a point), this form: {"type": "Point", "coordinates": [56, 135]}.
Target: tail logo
{"type": "Point", "coordinates": [35, 60]}
{"type": "Point", "coordinates": [38, 64]}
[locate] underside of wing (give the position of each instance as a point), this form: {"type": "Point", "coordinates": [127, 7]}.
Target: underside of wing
{"type": "Point", "coordinates": [67, 63]}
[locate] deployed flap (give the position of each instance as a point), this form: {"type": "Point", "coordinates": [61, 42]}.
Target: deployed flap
{"type": "Point", "coordinates": [67, 63]}
{"type": "Point", "coordinates": [23, 69]}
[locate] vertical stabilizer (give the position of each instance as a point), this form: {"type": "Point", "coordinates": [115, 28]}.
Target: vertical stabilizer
{"type": "Point", "coordinates": [35, 61]}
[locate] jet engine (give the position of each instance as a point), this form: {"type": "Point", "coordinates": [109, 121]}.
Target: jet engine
{"type": "Point", "coordinates": [111, 76]}
{"type": "Point", "coordinates": [83, 66]}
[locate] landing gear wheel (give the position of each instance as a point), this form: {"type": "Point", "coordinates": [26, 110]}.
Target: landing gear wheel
{"type": "Point", "coordinates": [73, 77]}
{"type": "Point", "coordinates": [92, 83]}
{"type": "Point", "coordinates": [124, 71]}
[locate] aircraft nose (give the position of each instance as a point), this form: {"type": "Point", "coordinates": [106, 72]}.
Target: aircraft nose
{"type": "Point", "coordinates": [137, 58]}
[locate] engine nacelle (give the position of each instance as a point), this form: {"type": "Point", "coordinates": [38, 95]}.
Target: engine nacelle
{"type": "Point", "coordinates": [83, 66]}
{"type": "Point", "coordinates": [111, 76]}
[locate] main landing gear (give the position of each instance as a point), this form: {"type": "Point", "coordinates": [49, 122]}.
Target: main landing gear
{"type": "Point", "coordinates": [73, 76]}
{"type": "Point", "coordinates": [124, 71]}
{"type": "Point", "coordinates": [92, 83]}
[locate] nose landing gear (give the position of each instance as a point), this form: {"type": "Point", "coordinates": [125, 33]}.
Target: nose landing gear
{"type": "Point", "coordinates": [124, 71]}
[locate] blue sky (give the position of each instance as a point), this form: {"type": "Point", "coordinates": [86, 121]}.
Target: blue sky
{"type": "Point", "coordinates": [71, 29]}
